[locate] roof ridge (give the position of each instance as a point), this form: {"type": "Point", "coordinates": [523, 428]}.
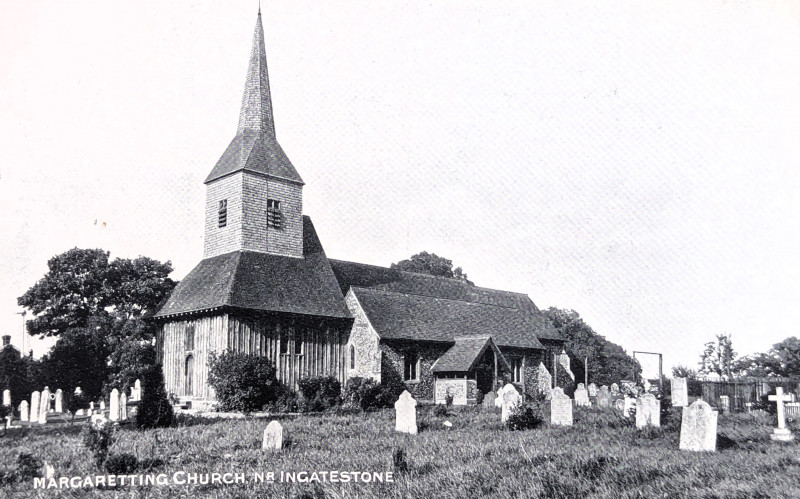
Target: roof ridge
{"type": "Point", "coordinates": [435, 297]}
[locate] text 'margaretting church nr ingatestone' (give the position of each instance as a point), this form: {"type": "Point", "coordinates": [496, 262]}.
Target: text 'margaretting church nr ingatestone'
{"type": "Point", "coordinates": [266, 287]}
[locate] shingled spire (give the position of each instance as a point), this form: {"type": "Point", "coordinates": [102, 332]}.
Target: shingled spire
{"type": "Point", "coordinates": [255, 148]}
{"type": "Point", "coordinates": [256, 113]}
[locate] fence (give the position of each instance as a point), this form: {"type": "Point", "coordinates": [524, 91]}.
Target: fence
{"type": "Point", "coordinates": [746, 391]}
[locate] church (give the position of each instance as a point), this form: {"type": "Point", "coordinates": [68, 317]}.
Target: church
{"type": "Point", "coordinates": [266, 287]}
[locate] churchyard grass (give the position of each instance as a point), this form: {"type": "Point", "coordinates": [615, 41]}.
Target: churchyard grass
{"type": "Point", "coordinates": [602, 455]}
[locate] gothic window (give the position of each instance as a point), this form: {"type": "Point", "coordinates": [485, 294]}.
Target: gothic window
{"type": "Point", "coordinates": [352, 357]}
{"type": "Point", "coordinates": [411, 367]}
{"type": "Point", "coordinates": [516, 370]}
{"type": "Point", "coordinates": [189, 338]}
{"type": "Point", "coordinates": [274, 215]}
{"type": "Point", "coordinates": [222, 219]}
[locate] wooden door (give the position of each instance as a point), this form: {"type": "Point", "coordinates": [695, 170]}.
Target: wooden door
{"type": "Point", "coordinates": [188, 388]}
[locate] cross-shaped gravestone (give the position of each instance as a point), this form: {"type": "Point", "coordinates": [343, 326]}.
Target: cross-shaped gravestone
{"type": "Point", "coordinates": [781, 433]}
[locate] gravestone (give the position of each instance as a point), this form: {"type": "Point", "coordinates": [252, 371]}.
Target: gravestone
{"type": "Point", "coordinates": [36, 398]}
{"type": "Point", "coordinates": [614, 390]}
{"type": "Point", "coordinates": [511, 398]}
{"type": "Point", "coordinates": [619, 405]}
{"type": "Point", "coordinates": [123, 407]}
{"type": "Point", "coordinates": [489, 400]}
{"type": "Point", "coordinates": [498, 402]}
{"type": "Point", "coordinates": [78, 390]}
{"type": "Point", "coordinates": [581, 396]}
{"type": "Point", "coordinates": [6, 397]}
{"type": "Point", "coordinates": [560, 408]}
{"type": "Point", "coordinates": [91, 408]}
{"type": "Point", "coordinates": [628, 405]}
{"type": "Point", "coordinates": [102, 405]}
{"type": "Point", "coordinates": [59, 401]}
{"type": "Point", "coordinates": [44, 404]}
{"type": "Point", "coordinates": [137, 387]}
{"type": "Point", "coordinates": [648, 411]}
{"type": "Point", "coordinates": [98, 419]}
{"type": "Point", "coordinates": [405, 411]}
{"type": "Point", "coordinates": [113, 405]}
{"type": "Point", "coordinates": [544, 381]}
{"type": "Point", "coordinates": [592, 390]}
{"type": "Point", "coordinates": [23, 411]}
{"type": "Point", "coordinates": [680, 392]}
{"type": "Point", "coordinates": [603, 398]}
{"type": "Point", "coordinates": [273, 436]}
{"type": "Point", "coordinates": [725, 404]}
{"type": "Point", "coordinates": [781, 433]}
{"type": "Point", "coordinates": [699, 428]}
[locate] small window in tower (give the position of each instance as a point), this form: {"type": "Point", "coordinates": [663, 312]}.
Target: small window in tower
{"type": "Point", "coordinates": [223, 213]}
{"type": "Point", "coordinates": [274, 215]}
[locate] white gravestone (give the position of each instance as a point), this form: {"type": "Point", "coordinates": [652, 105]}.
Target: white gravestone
{"type": "Point", "coordinates": [6, 397]}
{"type": "Point", "coordinates": [23, 411]}
{"type": "Point", "coordinates": [725, 403]}
{"type": "Point", "coordinates": [699, 428]}
{"type": "Point", "coordinates": [511, 398]}
{"type": "Point", "coordinates": [603, 398]}
{"type": "Point", "coordinates": [489, 401]}
{"type": "Point", "coordinates": [680, 392]}
{"type": "Point", "coordinates": [581, 396]}
{"type": "Point", "coordinates": [59, 401]}
{"type": "Point", "coordinates": [102, 405]}
{"type": "Point", "coordinates": [137, 387]}
{"type": "Point", "coordinates": [113, 405]}
{"type": "Point", "coordinates": [560, 408]}
{"type": "Point", "coordinates": [36, 398]}
{"type": "Point", "coordinates": [44, 402]}
{"type": "Point", "coordinates": [544, 381]}
{"type": "Point", "coordinates": [273, 437]}
{"type": "Point", "coordinates": [405, 410]}
{"type": "Point", "coordinates": [91, 408]}
{"type": "Point", "coordinates": [614, 390]}
{"type": "Point", "coordinates": [123, 407]}
{"type": "Point", "coordinates": [628, 405]}
{"type": "Point", "coordinates": [592, 390]}
{"type": "Point", "coordinates": [648, 411]}
{"type": "Point", "coordinates": [781, 433]}
{"type": "Point", "coordinates": [498, 401]}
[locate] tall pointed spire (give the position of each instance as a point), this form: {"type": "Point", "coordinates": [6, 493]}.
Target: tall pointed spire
{"type": "Point", "coordinates": [256, 113]}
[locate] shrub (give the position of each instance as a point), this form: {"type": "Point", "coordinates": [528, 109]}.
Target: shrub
{"type": "Point", "coordinates": [286, 401]}
{"type": "Point", "coordinates": [370, 395]}
{"type": "Point", "coordinates": [440, 410]}
{"type": "Point", "coordinates": [243, 382]}
{"type": "Point", "coordinates": [154, 410]}
{"type": "Point", "coordinates": [98, 438]}
{"type": "Point", "coordinates": [523, 417]}
{"type": "Point", "coordinates": [121, 464]}
{"type": "Point", "coordinates": [28, 466]}
{"type": "Point", "coordinates": [320, 393]}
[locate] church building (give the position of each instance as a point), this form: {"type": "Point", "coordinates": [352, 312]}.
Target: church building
{"type": "Point", "coordinates": [266, 287]}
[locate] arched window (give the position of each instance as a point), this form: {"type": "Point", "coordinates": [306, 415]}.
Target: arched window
{"type": "Point", "coordinates": [352, 357]}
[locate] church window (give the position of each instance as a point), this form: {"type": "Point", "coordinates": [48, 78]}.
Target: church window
{"type": "Point", "coordinates": [284, 342]}
{"type": "Point", "coordinates": [516, 370]}
{"type": "Point", "coordinates": [189, 338]}
{"type": "Point", "coordinates": [411, 367]}
{"type": "Point", "coordinates": [274, 215]}
{"type": "Point", "coordinates": [298, 342]}
{"type": "Point", "coordinates": [352, 357]}
{"type": "Point", "coordinates": [222, 219]}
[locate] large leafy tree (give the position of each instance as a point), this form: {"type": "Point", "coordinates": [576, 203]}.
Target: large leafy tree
{"type": "Point", "coordinates": [718, 356]}
{"type": "Point", "coordinates": [783, 359]}
{"type": "Point", "coordinates": [432, 264]}
{"type": "Point", "coordinates": [608, 362]}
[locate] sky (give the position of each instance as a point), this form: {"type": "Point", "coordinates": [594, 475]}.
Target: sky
{"type": "Point", "coordinates": [637, 162]}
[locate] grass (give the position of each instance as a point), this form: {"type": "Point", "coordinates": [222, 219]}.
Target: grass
{"type": "Point", "coordinates": [602, 455]}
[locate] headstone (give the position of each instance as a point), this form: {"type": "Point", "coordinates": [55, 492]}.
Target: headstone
{"type": "Point", "coordinates": [113, 405]}
{"type": "Point", "coordinates": [59, 400]}
{"type": "Point", "coordinates": [628, 405]}
{"type": "Point", "coordinates": [498, 401]}
{"type": "Point", "coordinates": [6, 397]}
{"type": "Point", "coordinates": [603, 398]}
{"type": "Point", "coordinates": [680, 392]}
{"type": "Point", "coordinates": [619, 405]}
{"type": "Point", "coordinates": [36, 399]}
{"type": "Point", "coordinates": [489, 400]}
{"type": "Point", "coordinates": [725, 404]}
{"type": "Point", "coordinates": [44, 404]}
{"type": "Point", "coordinates": [511, 398]}
{"type": "Point", "coordinates": [581, 396]}
{"type": "Point", "coordinates": [79, 412]}
{"type": "Point", "coordinates": [592, 390]}
{"type": "Point", "coordinates": [273, 436]}
{"type": "Point", "coordinates": [648, 411]}
{"type": "Point", "coordinates": [699, 428]}
{"type": "Point", "coordinates": [781, 433]}
{"type": "Point", "coordinates": [78, 390]}
{"type": "Point", "coordinates": [123, 407]}
{"type": "Point", "coordinates": [23, 411]}
{"type": "Point", "coordinates": [405, 410]}
{"type": "Point", "coordinates": [614, 390]}
{"type": "Point", "coordinates": [98, 419]}
{"type": "Point", "coordinates": [544, 380]}
{"type": "Point", "coordinates": [137, 386]}
{"type": "Point", "coordinates": [560, 408]}
{"type": "Point", "coordinates": [91, 407]}
{"type": "Point", "coordinates": [102, 405]}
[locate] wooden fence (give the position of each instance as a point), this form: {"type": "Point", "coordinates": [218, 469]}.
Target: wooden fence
{"type": "Point", "coordinates": [749, 391]}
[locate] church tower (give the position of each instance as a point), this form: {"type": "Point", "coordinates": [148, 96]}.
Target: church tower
{"type": "Point", "coordinates": [254, 195]}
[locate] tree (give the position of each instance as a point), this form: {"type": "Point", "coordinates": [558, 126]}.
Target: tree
{"type": "Point", "coordinates": [431, 264]}
{"type": "Point", "coordinates": [718, 356]}
{"type": "Point", "coordinates": [608, 362]}
{"type": "Point", "coordinates": [783, 359]}
{"type": "Point", "coordinates": [681, 371]}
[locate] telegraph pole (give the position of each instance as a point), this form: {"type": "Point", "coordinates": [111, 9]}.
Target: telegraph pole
{"type": "Point", "coordinates": [23, 314]}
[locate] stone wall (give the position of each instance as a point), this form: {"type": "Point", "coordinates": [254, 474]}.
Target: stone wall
{"type": "Point", "coordinates": [457, 388]}
{"type": "Point", "coordinates": [392, 366]}
{"type": "Point", "coordinates": [365, 342]}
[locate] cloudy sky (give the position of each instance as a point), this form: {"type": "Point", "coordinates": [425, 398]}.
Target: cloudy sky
{"type": "Point", "coordinates": [637, 162]}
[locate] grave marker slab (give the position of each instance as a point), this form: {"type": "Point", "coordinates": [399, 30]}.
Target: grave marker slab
{"type": "Point", "coordinates": [603, 398]}
{"type": "Point", "coordinates": [628, 406]}
{"type": "Point", "coordinates": [405, 410]}
{"type": "Point", "coordinates": [648, 411]}
{"type": "Point", "coordinates": [781, 433]}
{"type": "Point", "coordinates": [614, 390]}
{"type": "Point", "coordinates": [273, 437]}
{"type": "Point", "coordinates": [560, 408]}
{"type": "Point", "coordinates": [113, 405]}
{"type": "Point", "coordinates": [699, 428]}
{"type": "Point", "coordinates": [6, 397]}
{"type": "Point", "coordinates": [592, 390]}
{"type": "Point", "coordinates": [680, 392]}
{"type": "Point", "coordinates": [511, 398]}
{"type": "Point", "coordinates": [137, 386]}
{"type": "Point", "coordinates": [43, 405]}
{"type": "Point", "coordinates": [36, 399]}
{"type": "Point", "coordinates": [23, 411]}
{"type": "Point", "coordinates": [123, 407]}
{"type": "Point", "coordinates": [59, 401]}
{"type": "Point", "coordinates": [489, 400]}
{"type": "Point", "coordinates": [581, 396]}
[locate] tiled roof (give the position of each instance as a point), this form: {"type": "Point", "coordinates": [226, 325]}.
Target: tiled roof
{"type": "Point", "coordinates": [260, 281]}
{"type": "Point", "coordinates": [465, 353]}
{"type": "Point", "coordinates": [422, 285]}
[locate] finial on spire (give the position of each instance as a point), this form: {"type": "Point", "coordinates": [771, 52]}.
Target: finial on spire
{"type": "Point", "coordinates": [259, 7]}
{"type": "Point", "coordinates": [256, 114]}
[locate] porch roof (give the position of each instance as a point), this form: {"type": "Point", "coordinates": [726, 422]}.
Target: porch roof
{"type": "Point", "coordinates": [465, 354]}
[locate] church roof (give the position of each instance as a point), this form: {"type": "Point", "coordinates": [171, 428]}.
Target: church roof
{"type": "Point", "coordinates": [506, 307]}
{"type": "Point", "coordinates": [255, 147]}
{"type": "Point", "coordinates": [465, 353]}
{"type": "Point", "coordinates": [264, 282]}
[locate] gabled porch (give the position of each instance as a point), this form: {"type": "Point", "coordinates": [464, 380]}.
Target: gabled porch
{"type": "Point", "coordinates": [473, 364]}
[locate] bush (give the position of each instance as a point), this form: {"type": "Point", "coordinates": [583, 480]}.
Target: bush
{"type": "Point", "coordinates": [440, 410]}
{"type": "Point", "coordinates": [564, 381]}
{"type": "Point", "coordinates": [121, 464]}
{"type": "Point", "coordinates": [286, 401]}
{"type": "Point", "coordinates": [523, 417]}
{"type": "Point", "coordinates": [243, 382]}
{"type": "Point", "coordinates": [28, 466]}
{"type": "Point", "coordinates": [320, 393]}
{"type": "Point", "coordinates": [155, 410]}
{"type": "Point", "coordinates": [370, 395]}
{"type": "Point", "coordinates": [98, 438]}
